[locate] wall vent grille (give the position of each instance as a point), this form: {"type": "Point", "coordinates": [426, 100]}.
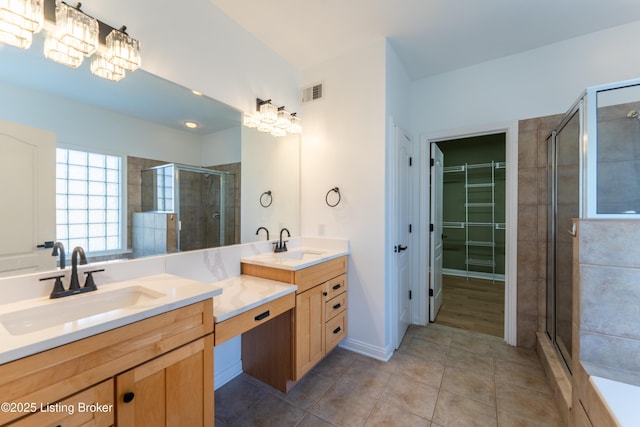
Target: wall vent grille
{"type": "Point", "coordinates": [312, 93]}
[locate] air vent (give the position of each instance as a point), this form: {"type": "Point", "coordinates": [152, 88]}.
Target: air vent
{"type": "Point", "coordinates": [312, 93]}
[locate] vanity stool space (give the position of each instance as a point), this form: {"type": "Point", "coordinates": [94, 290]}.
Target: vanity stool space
{"type": "Point", "coordinates": [157, 371]}
{"type": "Point", "coordinates": [318, 321]}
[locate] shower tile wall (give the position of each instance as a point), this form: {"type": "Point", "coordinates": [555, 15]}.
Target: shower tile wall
{"type": "Point", "coordinates": [532, 226]}
{"type": "Point", "coordinates": [618, 159]}
{"type": "Point", "coordinates": [609, 258]}
{"type": "Point", "coordinates": [154, 233]}
{"type": "Point", "coordinates": [135, 165]}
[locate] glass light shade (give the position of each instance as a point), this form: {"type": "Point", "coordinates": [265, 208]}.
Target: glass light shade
{"type": "Point", "coordinates": [105, 69]}
{"type": "Point", "coordinates": [123, 51]}
{"type": "Point", "coordinates": [276, 131]}
{"type": "Point", "coordinates": [284, 119]}
{"type": "Point", "coordinates": [265, 127]}
{"type": "Point", "coordinates": [14, 36]}
{"type": "Point", "coordinates": [24, 14]}
{"type": "Point", "coordinates": [296, 125]}
{"type": "Point", "coordinates": [268, 113]}
{"type": "Point", "coordinates": [251, 120]}
{"type": "Point", "coordinates": [62, 53]}
{"type": "Point", "coordinates": [76, 29]}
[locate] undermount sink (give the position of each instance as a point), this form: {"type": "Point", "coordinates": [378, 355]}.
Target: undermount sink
{"type": "Point", "coordinates": [76, 309]}
{"type": "Point", "coordinates": [299, 254]}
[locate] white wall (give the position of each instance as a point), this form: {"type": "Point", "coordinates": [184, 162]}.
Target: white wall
{"type": "Point", "coordinates": [535, 83]}
{"type": "Point", "coordinates": [343, 146]}
{"type": "Point", "coordinates": [222, 147]}
{"type": "Point", "coordinates": [270, 164]}
{"type": "Point", "coordinates": [194, 44]}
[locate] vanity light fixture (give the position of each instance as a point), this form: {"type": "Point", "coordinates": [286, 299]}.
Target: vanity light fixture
{"type": "Point", "coordinates": [71, 34]}
{"type": "Point", "coordinates": [75, 29]}
{"type": "Point", "coordinates": [271, 119]}
{"type": "Point", "coordinates": [19, 20]}
{"type": "Point", "coordinates": [123, 50]}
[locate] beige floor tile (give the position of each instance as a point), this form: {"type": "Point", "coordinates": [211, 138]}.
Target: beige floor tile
{"type": "Point", "coordinates": [467, 383]}
{"type": "Point", "coordinates": [523, 376]}
{"type": "Point", "coordinates": [453, 410]}
{"type": "Point", "coordinates": [367, 379]}
{"type": "Point", "coordinates": [308, 391]}
{"type": "Point", "coordinates": [343, 406]}
{"type": "Point", "coordinates": [412, 396]}
{"type": "Point", "coordinates": [427, 349]}
{"type": "Point", "coordinates": [526, 403]}
{"type": "Point", "coordinates": [434, 333]}
{"type": "Point", "coordinates": [270, 411]}
{"type": "Point", "coordinates": [387, 415]}
{"type": "Point", "coordinates": [519, 355]}
{"type": "Point", "coordinates": [424, 370]}
{"type": "Point", "coordinates": [472, 343]}
{"type": "Point", "coordinates": [235, 398]}
{"type": "Point", "coordinates": [510, 420]}
{"type": "Point", "coordinates": [334, 365]}
{"type": "Point", "coordinates": [459, 358]}
{"type": "Point", "coordinates": [311, 420]}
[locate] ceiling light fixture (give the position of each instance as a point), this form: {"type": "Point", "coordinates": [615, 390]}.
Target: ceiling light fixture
{"type": "Point", "coordinates": [275, 120]}
{"type": "Point", "coordinates": [71, 35]}
{"type": "Point", "coordinates": [191, 125]}
{"type": "Point", "coordinates": [19, 20]}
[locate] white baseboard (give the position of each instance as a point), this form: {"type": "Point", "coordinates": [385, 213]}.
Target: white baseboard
{"type": "Point", "coordinates": [227, 374]}
{"type": "Point", "coordinates": [379, 353]}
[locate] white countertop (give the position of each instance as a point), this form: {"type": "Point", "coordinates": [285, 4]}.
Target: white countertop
{"type": "Point", "coordinates": [242, 293]}
{"type": "Point", "coordinates": [621, 398]}
{"type": "Point", "coordinates": [153, 295]}
{"type": "Point", "coordinates": [296, 258]}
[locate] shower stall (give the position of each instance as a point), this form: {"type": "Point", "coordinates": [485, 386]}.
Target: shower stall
{"type": "Point", "coordinates": [593, 165]}
{"type": "Point", "coordinates": [188, 207]}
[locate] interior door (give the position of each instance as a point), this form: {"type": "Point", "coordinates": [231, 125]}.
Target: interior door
{"type": "Point", "coordinates": [28, 195]}
{"type": "Point", "coordinates": [435, 252]}
{"type": "Point", "coordinates": [403, 221]}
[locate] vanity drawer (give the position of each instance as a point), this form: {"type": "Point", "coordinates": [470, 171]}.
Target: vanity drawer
{"type": "Point", "coordinates": [335, 306]}
{"type": "Point", "coordinates": [336, 286]}
{"type": "Point", "coordinates": [248, 320]}
{"type": "Point", "coordinates": [315, 275]}
{"type": "Point", "coordinates": [76, 410]}
{"type": "Point", "coordinates": [335, 331]}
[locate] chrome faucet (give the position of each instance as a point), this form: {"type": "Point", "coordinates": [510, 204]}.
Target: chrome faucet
{"type": "Point", "coordinates": [282, 245]}
{"type": "Point", "coordinates": [74, 266]}
{"type": "Point", "coordinates": [58, 249]}
{"type": "Point", "coordinates": [262, 228]}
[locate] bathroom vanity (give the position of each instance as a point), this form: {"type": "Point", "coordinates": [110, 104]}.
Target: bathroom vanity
{"type": "Point", "coordinates": [314, 326]}
{"type": "Point", "coordinates": [152, 362]}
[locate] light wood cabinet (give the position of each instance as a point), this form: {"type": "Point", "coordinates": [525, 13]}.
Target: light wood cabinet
{"type": "Point", "coordinates": [177, 345]}
{"type": "Point", "coordinates": [319, 317]}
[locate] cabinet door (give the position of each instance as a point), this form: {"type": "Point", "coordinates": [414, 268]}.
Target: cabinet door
{"type": "Point", "coordinates": [309, 329]}
{"type": "Point", "coordinates": [175, 389]}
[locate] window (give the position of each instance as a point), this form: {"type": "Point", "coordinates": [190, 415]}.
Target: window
{"type": "Point", "coordinates": [88, 200]}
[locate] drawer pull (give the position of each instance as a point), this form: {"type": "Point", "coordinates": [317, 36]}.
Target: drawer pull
{"type": "Point", "coordinates": [336, 330]}
{"type": "Point", "coordinates": [325, 294]}
{"type": "Point", "coordinates": [337, 306]}
{"type": "Point", "coordinates": [128, 396]}
{"type": "Point", "coordinates": [262, 316]}
{"type": "Point", "coordinates": [336, 287]}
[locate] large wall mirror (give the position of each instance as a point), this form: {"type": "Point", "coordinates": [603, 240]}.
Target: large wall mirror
{"type": "Point", "coordinates": [124, 177]}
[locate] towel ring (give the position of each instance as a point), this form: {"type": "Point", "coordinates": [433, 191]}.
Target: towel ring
{"type": "Point", "coordinates": [266, 199]}
{"type": "Point", "coordinates": [326, 198]}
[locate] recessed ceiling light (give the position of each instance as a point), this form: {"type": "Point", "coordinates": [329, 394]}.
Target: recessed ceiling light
{"type": "Point", "coordinates": [191, 125]}
{"type": "Point", "coordinates": [195, 92]}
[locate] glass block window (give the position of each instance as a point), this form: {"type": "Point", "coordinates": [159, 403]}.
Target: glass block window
{"type": "Point", "coordinates": [88, 200]}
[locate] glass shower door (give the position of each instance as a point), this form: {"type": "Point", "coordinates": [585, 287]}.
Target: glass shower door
{"type": "Point", "coordinates": [565, 207]}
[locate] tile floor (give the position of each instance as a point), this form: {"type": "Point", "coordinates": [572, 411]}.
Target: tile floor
{"type": "Point", "coordinates": [440, 377]}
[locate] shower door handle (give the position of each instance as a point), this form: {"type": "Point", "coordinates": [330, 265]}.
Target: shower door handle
{"type": "Point", "coordinates": [572, 230]}
{"type": "Point", "coordinates": [216, 215]}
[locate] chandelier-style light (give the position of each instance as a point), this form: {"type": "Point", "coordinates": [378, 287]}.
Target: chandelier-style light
{"type": "Point", "coordinates": [19, 20]}
{"type": "Point", "coordinates": [70, 36]}
{"type": "Point", "coordinates": [272, 119]}
{"type": "Point", "coordinates": [123, 51]}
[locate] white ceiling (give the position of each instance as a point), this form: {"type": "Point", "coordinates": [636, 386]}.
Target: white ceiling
{"type": "Point", "coordinates": [429, 36]}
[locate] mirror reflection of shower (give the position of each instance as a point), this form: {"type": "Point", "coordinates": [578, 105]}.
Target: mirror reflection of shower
{"type": "Point", "coordinates": [184, 208]}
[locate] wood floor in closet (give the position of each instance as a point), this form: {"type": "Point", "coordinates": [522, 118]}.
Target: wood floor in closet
{"type": "Point", "coordinates": [472, 304]}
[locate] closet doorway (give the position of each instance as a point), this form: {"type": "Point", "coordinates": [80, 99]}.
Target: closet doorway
{"type": "Point", "coordinates": [473, 233]}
